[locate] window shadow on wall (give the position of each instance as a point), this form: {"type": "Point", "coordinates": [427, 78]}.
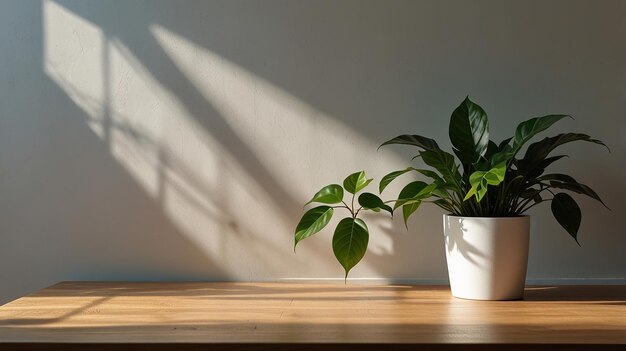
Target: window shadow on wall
{"type": "Point", "coordinates": [268, 42]}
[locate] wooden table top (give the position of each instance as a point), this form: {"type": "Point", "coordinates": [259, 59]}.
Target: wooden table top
{"type": "Point", "coordinates": [284, 314]}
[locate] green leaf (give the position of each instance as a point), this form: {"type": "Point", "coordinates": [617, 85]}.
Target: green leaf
{"type": "Point", "coordinates": [567, 213]}
{"type": "Point", "coordinates": [426, 192]}
{"type": "Point", "coordinates": [409, 192]}
{"type": "Point", "coordinates": [549, 160]}
{"type": "Point", "coordinates": [441, 192]}
{"type": "Point", "coordinates": [411, 196]}
{"type": "Point", "coordinates": [330, 194]}
{"type": "Point", "coordinates": [492, 148]}
{"type": "Point", "coordinates": [430, 174]}
{"type": "Point", "coordinates": [414, 140]}
{"type": "Point", "coordinates": [469, 132]}
{"type": "Point", "coordinates": [504, 143]}
{"type": "Point", "coordinates": [444, 163]}
{"type": "Point", "coordinates": [504, 154]}
{"type": "Point", "coordinates": [514, 184]}
{"type": "Point", "coordinates": [479, 186]}
{"type": "Point", "coordinates": [538, 168]}
{"type": "Point", "coordinates": [558, 177]}
{"type": "Point", "coordinates": [495, 176]}
{"type": "Point", "coordinates": [312, 222]}
{"type": "Point", "coordinates": [387, 179]}
{"type": "Point", "coordinates": [444, 205]}
{"type": "Point", "coordinates": [480, 180]}
{"type": "Point", "coordinates": [408, 210]}
{"type": "Point", "coordinates": [538, 151]}
{"type": "Point", "coordinates": [529, 193]}
{"type": "Point", "coordinates": [373, 202]}
{"type": "Point", "coordinates": [355, 182]}
{"type": "Point", "coordinates": [573, 185]}
{"type": "Point", "coordinates": [350, 242]}
{"type": "Point", "coordinates": [528, 129]}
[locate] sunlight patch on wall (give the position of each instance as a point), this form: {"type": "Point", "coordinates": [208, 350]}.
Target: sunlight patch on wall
{"type": "Point", "coordinates": [82, 61]}
{"type": "Point", "coordinates": [276, 125]}
{"type": "Point", "coordinates": [232, 168]}
{"type": "Point", "coordinates": [68, 42]}
{"type": "Point", "coordinates": [290, 137]}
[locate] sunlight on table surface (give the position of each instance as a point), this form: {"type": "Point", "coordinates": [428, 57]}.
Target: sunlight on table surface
{"type": "Point", "coordinates": [301, 312]}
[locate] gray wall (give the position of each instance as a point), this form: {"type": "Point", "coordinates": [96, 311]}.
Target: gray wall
{"type": "Point", "coordinates": [178, 140]}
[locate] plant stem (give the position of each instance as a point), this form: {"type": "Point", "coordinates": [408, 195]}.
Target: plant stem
{"type": "Point", "coordinates": [357, 211]}
{"type": "Point", "coordinates": [353, 214]}
{"type": "Point", "coordinates": [348, 207]}
{"type": "Point", "coordinates": [533, 205]}
{"type": "Point", "coordinates": [487, 204]}
{"type": "Point", "coordinates": [501, 200]}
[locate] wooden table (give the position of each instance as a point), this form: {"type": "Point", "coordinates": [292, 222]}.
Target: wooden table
{"type": "Point", "coordinates": [281, 316]}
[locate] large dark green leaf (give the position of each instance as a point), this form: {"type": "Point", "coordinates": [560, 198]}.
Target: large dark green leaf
{"type": "Point", "coordinates": [414, 140]}
{"type": "Point", "coordinates": [469, 132]}
{"type": "Point", "coordinates": [373, 202]}
{"type": "Point", "coordinates": [430, 174]}
{"type": "Point", "coordinates": [558, 177]}
{"type": "Point", "coordinates": [444, 163]}
{"type": "Point", "coordinates": [534, 171]}
{"type": "Point", "coordinates": [492, 148]}
{"type": "Point", "coordinates": [504, 143]}
{"type": "Point", "coordinates": [541, 166]}
{"type": "Point", "coordinates": [356, 182]}
{"type": "Point", "coordinates": [350, 242]}
{"type": "Point", "coordinates": [528, 129]}
{"type": "Point", "coordinates": [550, 160]}
{"type": "Point", "coordinates": [562, 182]}
{"type": "Point", "coordinates": [531, 193]}
{"type": "Point", "coordinates": [312, 222]}
{"type": "Point", "coordinates": [503, 155]}
{"type": "Point", "coordinates": [538, 151]}
{"type": "Point", "coordinates": [567, 213]}
{"type": "Point", "coordinates": [330, 194]}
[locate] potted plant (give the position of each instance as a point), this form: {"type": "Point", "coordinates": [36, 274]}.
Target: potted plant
{"type": "Point", "coordinates": [486, 195]}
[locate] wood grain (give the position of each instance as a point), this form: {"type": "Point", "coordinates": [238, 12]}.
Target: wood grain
{"type": "Point", "coordinates": [281, 315]}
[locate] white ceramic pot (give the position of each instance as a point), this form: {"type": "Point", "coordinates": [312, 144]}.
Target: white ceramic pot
{"type": "Point", "coordinates": [487, 256]}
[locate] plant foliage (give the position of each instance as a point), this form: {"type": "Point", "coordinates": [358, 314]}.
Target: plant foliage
{"type": "Point", "coordinates": [351, 234]}
{"type": "Point", "coordinates": [492, 179]}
